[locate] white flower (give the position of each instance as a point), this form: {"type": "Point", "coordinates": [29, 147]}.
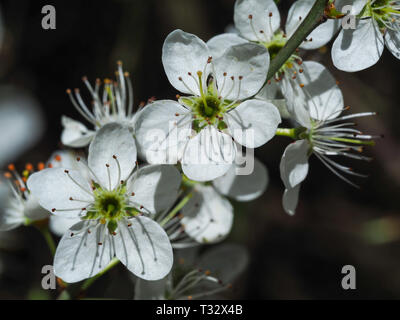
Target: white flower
{"type": "Point", "coordinates": [377, 25]}
{"type": "Point", "coordinates": [208, 216]}
{"type": "Point", "coordinates": [214, 110]}
{"type": "Point", "coordinates": [321, 134]}
{"type": "Point", "coordinates": [258, 21]}
{"type": "Point", "coordinates": [21, 123]}
{"type": "Point", "coordinates": [114, 104]}
{"type": "Point", "coordinates": [19, 206]}
{"type": "Point", "coordinates": [210, 274]}
{"type": "Point", "coordinates": [115, 206]}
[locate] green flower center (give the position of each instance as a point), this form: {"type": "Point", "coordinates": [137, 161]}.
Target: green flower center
{"type": "Point", "coordinates": [110, 206]}
{"type": "Point", "coordinates": [384, 12]}
{"type": "Point", "coordinates": [209, 108]}
{"type": "Point", "coordinates": [275, 45]}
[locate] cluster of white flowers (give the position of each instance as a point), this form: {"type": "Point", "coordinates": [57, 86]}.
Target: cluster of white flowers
{"type": "Point", "coordinates": [159, 179]}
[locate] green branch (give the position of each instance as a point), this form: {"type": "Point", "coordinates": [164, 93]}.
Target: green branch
{"type": "Point", "coordinates": [314, 18]}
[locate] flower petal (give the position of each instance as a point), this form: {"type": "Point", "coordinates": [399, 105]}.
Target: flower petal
{"type": "Point", "coordinates": [320, 36]}
{"type": "Point", "coordinates": [144, 248]}
{"type": "Point", "coordinates": [356, 5]}
{"type": "Point", "coordinates": [253, 123]}
{"type": "Point", "coordinates": [290, 199]}
{"type": "Point", "coordinates": [392, 39]}
{"type": "Point", "coordinates": [112, 140]}
{"type": "Point", "coordinates": [75, 134]}
{"type": "Point", "coordinates": [208, 217]}
{"type": "Point", "coordinates": [60, 225]}
{"type": "Point", "coordinates": [294, 163]}
{"type": "Point", "coordinates": [155, 187]}
{"type": "Point", "coordinates": [183, 53]}
{"type": "Point", "coordinates": [160, 128]}
{"type": "Point", "coordinates": [225, 261]}
{"type": "Point", "coordinates": [81, 254]}
{"type": "Point", "coordinates": [243, 187]}
{"type": "Point", "coordinates": [260, 11]}
{"type": "Point", "coordinates": [220, 43]}
{"type": "Point", "coordinates": [248, 65]}
{"type": "Point", "coordinates": [208, 155]}
{"type": "Point", "coordinates": [53, 188]}
{"type": "Point", "coordinates": [359, 49]}
{"type": "Point", "coordinates": [21, 123]}
{"type": "Point", "coordinates": [315, 91]}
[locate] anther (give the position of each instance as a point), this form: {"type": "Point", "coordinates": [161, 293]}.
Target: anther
{"type": "Point", "coordinates": [78, 159]}
{"type": "Point", "coordinates": [132, 194]}
{"type": "Point", "coordinates": [41, 166]}
{"type": "Point", "coordinates": [11, 167]}
{"type": "Point", "coordinates": [225, 74]}
{"type": "Point", "coordinates": [71, 199]}
{"type": "Point", "coordinates": [240, 77]}
{"type": "Point", "coordinates": [209, 59]}
{"type": "Point", "coordinates": [178, 96]}
{"type": "Point", "coordinates": [66, 171]}
{"type": "Point", "coordinates": [250, 16]}
{"type": "Point", "coordinates": [107, 165]}
{"type": "Point", "coordinates": [68, 91]}
{"type": "Point", "coordinates": [301, 85]}
{"type": "Point", "coordinates": [177, 114]}
{"type": "Point", "coordinates": [114, 157]}
{"type": "Point", "coordinates": [7, 175]}
{"type": "Point", "coordinates": [29, 167]}
{"type": "Point", "coordinates": [130, 225]}
{"type": "Point", "coordinates": [57, 158]}
{"type": "Point", "coordinates": [53, 210]}
{"type": "Point", "coordinates": [270, 14]}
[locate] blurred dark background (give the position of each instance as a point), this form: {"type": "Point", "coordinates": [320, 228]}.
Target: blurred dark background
{"type": "Point", "coordinates": [291, 257]}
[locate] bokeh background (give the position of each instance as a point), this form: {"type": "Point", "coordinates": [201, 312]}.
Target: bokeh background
{"type": "Point", "coordinates": [298, 257]}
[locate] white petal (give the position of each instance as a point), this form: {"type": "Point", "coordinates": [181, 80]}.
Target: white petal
{"type": "Point", "coordinates": [183, 53]}
{"type": "Point", "coordinates": [155, 187]}
{"type": "Point", "coordinates": [11, 210]}
{"type": "Point", "coordinates": [220, 43]}
{"type": "Point", "coordinates": [243, 187]}
{"type": "Point", "coordinates": [60, 225]}
{"type": "Point", "coordinates": [272, 93]}
{"type": "Point", "coordinates": [226, 261]}
{"type": "Point", "coordinates": [356, 5]}
{"type": "Point", "coordinates": [160, 128]}
{"type": "Point", "coordinates": [21, 123]}
{"type": "Point", "coordinates": [392, 39]}
{"type": "Point", "coordinates": [248, 61]}
{"type": "Point", "coordinates": [208, 155]}
{"type": "Point", "coordinates": [208, 217]}
{"type": "Point", "coordinates": [33, 210]}
{"type": "Point", "coordinates": [112, 140]}
{"type": "Point", "coordinates": [290, 199]}
{"type": "Point", "coordinates": [320, 96]}
{"type": "Point", "coordinates": [75, 134]}
{"type": "Point", "coordinates": [320, 36]}
{"type": "Point", "coordinates": [359, 49]}
{"type": "Point", "coordinates": [144, 248]}
{"type": "Point", "coordinates": [150, 290]}
{"type": "Point", "coordinates": [294, 163]}
{"type": "Point", "coordinates": [260, 10]}
{"type": "Point", "coordinates": [253, 123]}
{"type": "Point", "coordinates": [53, 188]}
{"type": "Point", "coordinates": [79, 254]}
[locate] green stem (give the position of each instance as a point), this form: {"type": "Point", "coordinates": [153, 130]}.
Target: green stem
{"type": "Point", "coordinates": [313, 19]}
{"type": "Point", "coordinates": [178, 207]}
{"type": "Point", "coordinates": [291, 133]}
{"type": "Point", "coordinates": [90, 281]}
{"type": "Point", "coordinates": [44, 230]}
